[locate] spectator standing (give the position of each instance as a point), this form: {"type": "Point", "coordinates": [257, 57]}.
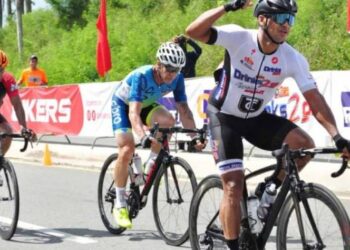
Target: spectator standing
{"type": "Point", "coordinates": [189, 70]}
{"type": "Point", "coordinates": [33, 76]}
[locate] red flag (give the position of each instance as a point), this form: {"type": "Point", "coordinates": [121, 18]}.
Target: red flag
{"type": "Point", "coordinates": [348, 26]}
{"type": "Point", "coordinates": [103, 53]}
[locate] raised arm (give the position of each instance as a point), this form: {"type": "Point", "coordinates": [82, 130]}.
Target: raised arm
{"type": "Point", "coordinates": [200, 29]}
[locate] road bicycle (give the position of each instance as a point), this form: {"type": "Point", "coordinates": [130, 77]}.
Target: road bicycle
{"type": "Point", "coordinates": [173, 182]}
{"type": "Point", "coordinates": [9, 193]}
{"type": "Point", "coordinates": [307, 215]}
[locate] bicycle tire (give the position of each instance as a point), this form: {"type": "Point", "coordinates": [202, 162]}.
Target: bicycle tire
{"type": "Point", "coordinates": [328, 213]}
{"type": "Point", "coordinates": [201, 210]}
{"type": "Point", "coordinates": [105, 196]}
{"type": "Point", "coordinates": [170, 226]}
{"type": "Point", "coordinates": [9, 191]}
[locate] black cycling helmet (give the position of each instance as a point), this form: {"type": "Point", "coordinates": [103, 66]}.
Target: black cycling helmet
{"type": "Point", "coordinates": [275, 6]}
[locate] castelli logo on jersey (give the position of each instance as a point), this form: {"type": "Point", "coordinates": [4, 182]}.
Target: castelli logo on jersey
{"type": "Point", "coordinates": [56, 110]}
{"type": "Point", "coordinates": [274, 60]}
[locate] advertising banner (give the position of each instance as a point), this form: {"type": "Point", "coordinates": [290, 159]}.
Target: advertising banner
{"type": "Point", "coordinates": [85, 110]}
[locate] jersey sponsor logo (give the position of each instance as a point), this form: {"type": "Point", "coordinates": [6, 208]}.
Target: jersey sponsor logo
{"type": "Point", "coordinates": [260, 81]}
{"type": "Point", "coordinates": [282, 91]}
{"type": "Point", "coordinates": [248, 62]}
{"type": "Point", "coordinates": [274, 71]}
{"type": "Point", "coordinates": [274, 60]}
{"type": "Point", "coordinates": [256, 91]}
{"type": "Point", "coordinates": [249, 104]}
{"type": "Point", "coordinates": [345, 101]}
{"type": "Point", "coordinates": [116, 112]}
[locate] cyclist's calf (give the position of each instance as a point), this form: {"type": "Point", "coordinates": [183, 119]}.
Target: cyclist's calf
{"type": "Point", "coordinates": [6, 142]}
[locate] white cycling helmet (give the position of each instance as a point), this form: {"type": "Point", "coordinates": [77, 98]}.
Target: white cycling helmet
{"type": "Point", "coordinates": [170, 53]}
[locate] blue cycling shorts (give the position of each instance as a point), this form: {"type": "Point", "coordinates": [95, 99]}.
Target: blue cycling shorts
{"type": "Point", "coordinates": [120, 115]}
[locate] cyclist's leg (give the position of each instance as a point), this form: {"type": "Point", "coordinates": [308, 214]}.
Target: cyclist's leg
{"type": "Point", "coordinates": [156, 113]}
{"type": "Point", "coordinates": [125, 143]}
{"type": "Point", "coordinates": [298, 138]}
{"type": "Point", "coordinates": [227, 149]}
{"type": "Point", "coordinates": [5, 127]}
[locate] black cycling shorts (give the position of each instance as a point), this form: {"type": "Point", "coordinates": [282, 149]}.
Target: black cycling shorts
{"type": "Point", "coordinates": [266, 131]}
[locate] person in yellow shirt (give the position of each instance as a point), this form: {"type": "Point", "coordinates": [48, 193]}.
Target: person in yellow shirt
{"type": "Point", "coordinates": [33, 76]}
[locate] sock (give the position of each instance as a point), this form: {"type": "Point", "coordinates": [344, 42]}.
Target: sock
{"type": "Point", "coordinates": [120, 197]}
{"type": "Point", "coordinates": [232, 244]}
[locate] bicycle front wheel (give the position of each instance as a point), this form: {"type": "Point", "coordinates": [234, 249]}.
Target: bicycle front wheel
{"type": "Point", "coordinates": [329, 220]}
{"type": "Point", "coordinates": [172, 193]}
{"type": "Point", "coordinates": [9, 200]}
{"type": "Point", "coordinates": [106, 195]}
{"type": "Point", "coordinates": [205, 227]}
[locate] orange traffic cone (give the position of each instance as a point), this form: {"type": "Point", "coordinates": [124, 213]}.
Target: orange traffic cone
{"type": "Point", "coordinates": [47, 156]}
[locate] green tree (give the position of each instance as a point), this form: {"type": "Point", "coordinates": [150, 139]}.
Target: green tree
{"type": "Point", "coordinates": [70, 12]}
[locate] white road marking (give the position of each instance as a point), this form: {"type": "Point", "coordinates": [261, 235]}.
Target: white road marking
{"type": "Point", "coordinates": [56, 233]}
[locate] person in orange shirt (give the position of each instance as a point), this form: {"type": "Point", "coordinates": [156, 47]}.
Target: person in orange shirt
{"type": "Point", "coordinates": [33, 76]}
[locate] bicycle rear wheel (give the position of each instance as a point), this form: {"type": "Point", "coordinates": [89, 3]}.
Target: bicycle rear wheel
{"type": "Point", "coordinates": [9, 200]}
{"type": "Point", "coordinates": [172, 193]}
{"type": "Point", "coordinates": [204, 220]}
{"type": "Point", "coordinates": [329, 215]}
{"type": "Point", "coordinates": [106, 195]}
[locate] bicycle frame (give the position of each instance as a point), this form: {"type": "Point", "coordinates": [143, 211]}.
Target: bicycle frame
{"type": "Point", "coordinates": [162, 157]}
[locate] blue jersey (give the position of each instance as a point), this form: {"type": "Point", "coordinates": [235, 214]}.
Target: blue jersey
{"type": "Point", "coordinates": [140, 86]}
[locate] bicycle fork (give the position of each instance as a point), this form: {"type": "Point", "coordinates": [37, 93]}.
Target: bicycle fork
{"type": "Point", "coordinates": [297, 192]}
{"type": "Point", "coordinates": [176, 182]}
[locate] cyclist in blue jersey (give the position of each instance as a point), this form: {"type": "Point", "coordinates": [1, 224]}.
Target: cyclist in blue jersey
{"type": "Point", "coordinates": [135, 107]}
{"type": "Point", "coordinates": [256, 62]}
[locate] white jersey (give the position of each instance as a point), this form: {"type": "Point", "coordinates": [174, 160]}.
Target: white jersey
{"type": "Point", "coordinates": [253, 77]}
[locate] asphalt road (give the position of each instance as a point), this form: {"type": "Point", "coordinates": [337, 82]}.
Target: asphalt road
{"type": "Point", "coordinates": [59, 211]}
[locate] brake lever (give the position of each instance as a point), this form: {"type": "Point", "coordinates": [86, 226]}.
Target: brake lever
{"type": "Point", "coordinates": [341, 170]}
{"type": "Point", "coordinates": [25, 145]}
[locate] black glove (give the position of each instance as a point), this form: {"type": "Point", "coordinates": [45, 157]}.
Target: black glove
{"type": "Point", "coordinates": [146, 141]}
{"type": "Point", "coordinates": [234, 5]}
{"type": "Point", "coordinates": [191, 145]}
{"type": "Point", "coordinates": [341, 142]}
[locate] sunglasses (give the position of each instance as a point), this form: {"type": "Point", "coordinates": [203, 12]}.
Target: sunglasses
{"type": "Point", "coordinates": [171, 69]}
{"type": "Point", "coordinates": [282, 18]}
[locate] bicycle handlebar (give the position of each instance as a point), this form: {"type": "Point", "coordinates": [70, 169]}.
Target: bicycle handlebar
{"type": "Point", "coordinates": [298, 153]}
{"type": "Point", "coordinates": [202, 131]}
{"type": "Point", "coordinates": [26, 140]}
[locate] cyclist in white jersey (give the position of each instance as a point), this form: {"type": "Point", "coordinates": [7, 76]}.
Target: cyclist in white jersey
{"type": "Point", "coordinates": [255, 64]}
